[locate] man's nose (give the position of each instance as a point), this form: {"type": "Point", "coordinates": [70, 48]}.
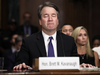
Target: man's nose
{"type": "Point", "coordinates": [50, 18]}
{"type": "Point", "coordinates": [67, 33]}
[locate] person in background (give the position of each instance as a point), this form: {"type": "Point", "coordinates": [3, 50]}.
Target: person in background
{"type": "Point", "coordinates": [67, 29]}
{"type": "Point", "coordinates": [18, 43]}
{"type": "Point", "coordinates": [27, 28]}
{"type": "Point", "coordinates": [9, 54]}
{"type": "Point", "coordinates": [6, 35]}
{"type": "Point", "coordinates": [47, 43]}
{"type": "Point", "coordinates": [85, 53]}
{"type": "Point", "coordinates": [97, 49]}
{"type": "Point", "coordinates": [96, 41]}
{"type": "Point", "coordinates": [96, 45]}
{"type": "Point", "coordinates": [12, 27]}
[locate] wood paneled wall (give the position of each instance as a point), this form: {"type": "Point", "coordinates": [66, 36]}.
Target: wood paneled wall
{"type": "Point", "coordinates": [0, 13]}
{"type": "Point", "coordinates": [95, 24]}
{"type": "Point", "coordinates": [4, 14]}
{"type": "Point", "coordinates": [32, 6]}
{"type": "Point", "coordinates": [76, 13]}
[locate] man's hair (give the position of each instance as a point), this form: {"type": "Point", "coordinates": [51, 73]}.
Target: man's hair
{"type": "Point", "coordinates": [96, 37]}
{"type": "Point", "coordinates": [26, 13]}
{"type": "Point", "coordinates": [18, 39]}
{"type": "Point", "coordinates": [66, 24]}
{"type": "Point", "coordinates": [47, 4]}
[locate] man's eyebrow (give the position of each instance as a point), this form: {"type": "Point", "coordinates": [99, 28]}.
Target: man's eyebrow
{"type": "Point", "coordinates": [45, 14]}
{"type": "Point", "coordinates": [53, 13]}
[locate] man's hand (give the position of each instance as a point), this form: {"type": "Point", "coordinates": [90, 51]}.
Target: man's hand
{"type": "Point", "coordinates": [86, 65]}
{"type": "Point", "coordinates": [21, 66]}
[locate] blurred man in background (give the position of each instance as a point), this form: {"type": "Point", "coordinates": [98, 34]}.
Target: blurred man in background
{"type": "Point", "coordinates": [27, 28]}
{"type": "Point", "coordinates": [10, 54]}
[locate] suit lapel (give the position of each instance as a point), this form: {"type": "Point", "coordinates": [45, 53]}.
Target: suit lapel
{"type": "Point", "coordinates": [59, 45]}
{"type": "Point", "coordinates": [41, 45]}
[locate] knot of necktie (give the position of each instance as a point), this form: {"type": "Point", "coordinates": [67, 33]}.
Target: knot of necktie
{"type": "Point", "coordinates": [50, 38]}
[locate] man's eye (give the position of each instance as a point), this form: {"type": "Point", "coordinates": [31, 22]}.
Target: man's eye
{"type": "Point", "coordinates": [45, 16]}
{"type": "Point", "coordinates": [70, 30]}
{"type": "Point", "coordinates": [64, 30]}
{"type": "Point", "coordinates": [53, 15]}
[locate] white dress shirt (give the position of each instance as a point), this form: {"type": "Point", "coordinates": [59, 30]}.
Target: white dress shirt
{"type": "Point", "coordinates": [97, 49]}
{"type": "Point", "coordinates": [13, 50]}
{"type": "Point", "coordinates": [54, 42]}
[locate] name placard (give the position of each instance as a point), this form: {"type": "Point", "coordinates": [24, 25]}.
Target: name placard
{"type": "Point", "coordinates": [51, 63]}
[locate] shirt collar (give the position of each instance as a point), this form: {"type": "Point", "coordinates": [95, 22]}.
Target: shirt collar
{"type": "Point", "coordinates": [13, 50]}
{"type": "Point", "coordinates": [47, 36]}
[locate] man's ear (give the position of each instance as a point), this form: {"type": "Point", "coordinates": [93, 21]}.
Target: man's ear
{"type": "Point", "coordinates": [40, 21]}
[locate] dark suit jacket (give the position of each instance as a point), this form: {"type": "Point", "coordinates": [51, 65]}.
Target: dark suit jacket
{"type": "Point", "coordinates": [34, 47]}
{"type": "Point", "coordinates": [9, 59]}
{"type": "Point", "coordinates": [20, 31]}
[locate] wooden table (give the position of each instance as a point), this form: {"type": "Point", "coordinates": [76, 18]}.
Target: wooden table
{"type": "Point", "coordinates": [67, 72]}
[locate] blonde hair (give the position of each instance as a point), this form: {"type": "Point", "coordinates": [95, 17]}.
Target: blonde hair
{"type": "Point", "coordinates": [75, 34]}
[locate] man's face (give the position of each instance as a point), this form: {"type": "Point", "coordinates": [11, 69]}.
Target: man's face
{"type": "Point", "coordinates": [12, 27]}
{"type": "Point", "coordinates": [13, 39]}
{"type": "Point", "coordinates": [18, 45]}
{"type": "Point", "coordinates": [27, 18]}
{"type": "Point", "coordinates": [67, 29]}
{"type": "Point", "coordinates": [49, 20]}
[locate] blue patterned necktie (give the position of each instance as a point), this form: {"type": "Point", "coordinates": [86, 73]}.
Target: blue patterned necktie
{"type": "Point", "coordinates": [50, 48]}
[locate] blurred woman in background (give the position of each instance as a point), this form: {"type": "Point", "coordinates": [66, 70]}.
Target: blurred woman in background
{"type": "Point", "coordinates": [85, 53]}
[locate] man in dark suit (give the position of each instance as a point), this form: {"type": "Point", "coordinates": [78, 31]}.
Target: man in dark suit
{"type": "Point", "coordinates": [38, 44]}
{"type": "Point", "coordinates": [27, 28]}
{"type": "Point", "coordinates": [6, 35]}
{"type": "Point", "coordinates": [9, 54]}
